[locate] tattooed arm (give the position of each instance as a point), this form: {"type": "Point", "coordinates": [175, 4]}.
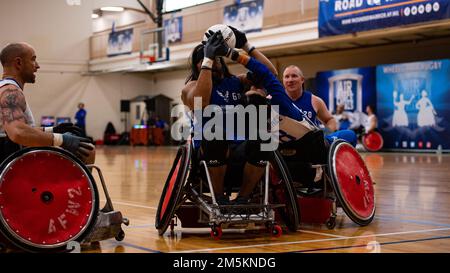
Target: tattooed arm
{"type": "Point", "coordinates": [12, 107]}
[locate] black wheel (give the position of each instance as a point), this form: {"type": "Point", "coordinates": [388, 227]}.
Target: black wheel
{"type": "Point", "coordinates": [331, 223]}
{"type": "Point", "coordinates": [120, 236]}
{"type": "Point", "coordinates": [172, 191]}
{"type": "Point", "coordinates": [283, 192]}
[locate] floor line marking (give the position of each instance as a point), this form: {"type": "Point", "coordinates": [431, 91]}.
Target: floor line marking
{"type": "Point", "coordinates": [116, 244]}
{"type": "Point", "coordinates": [131, 205]}
{"type": "Point", "coordinates": [321, 233]}
{"type": "Point", "coordinates": [418, 222]}
{"type": "Point", "coordinates": [384, 243]}
{"type": "Point", "coordinates": [313, 241]}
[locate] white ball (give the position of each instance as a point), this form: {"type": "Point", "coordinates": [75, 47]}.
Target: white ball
{"type": "Point", "coordinates": [227, 33]}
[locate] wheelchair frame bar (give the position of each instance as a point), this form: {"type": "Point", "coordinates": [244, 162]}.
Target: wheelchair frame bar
{"type": "Point", "coordinates": [266, 189]}
{"type": "Point", "coordinates": [213, 196]}
{"type": "Point", "coordinates": [216, 217]}
{"type": "Point", "coordinates": [109, 205]}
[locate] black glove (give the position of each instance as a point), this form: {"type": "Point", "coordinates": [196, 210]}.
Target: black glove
{"type": "Point", "coordinates": [241, 38]}
{"type": "Point", "coordinates": [68, 127]}
{"type": "Point", "coordinates": [215, 46]}
{"type": "Point", "coordinates": [79, 146]}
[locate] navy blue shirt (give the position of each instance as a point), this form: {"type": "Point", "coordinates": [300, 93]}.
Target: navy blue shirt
{"type": "Point", "coordinates": [227, 92]}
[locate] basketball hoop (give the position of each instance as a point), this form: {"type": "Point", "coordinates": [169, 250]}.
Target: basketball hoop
{"type": "Point", "coordinates": [147, 59]}
{"type": "Point", "coordinates": [153, 46]}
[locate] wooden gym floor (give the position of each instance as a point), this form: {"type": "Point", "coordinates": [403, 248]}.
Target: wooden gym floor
{"type": "Point", "coordinates": [412, 194]}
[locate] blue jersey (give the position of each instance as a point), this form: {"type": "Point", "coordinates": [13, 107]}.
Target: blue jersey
{"type": "Point", "coordinates": [297, 109]}
{"type": "Point", "coordinates": [274, 89]}
{"type": "Point", "coordinates": [304, 103]}
{"type": "Point", "coordinates": [227, 92]}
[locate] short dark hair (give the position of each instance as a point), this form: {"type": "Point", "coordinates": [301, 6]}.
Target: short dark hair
{"type": "Point", "coordinates": [372, 108]}
{"type": "Point", "coordinates": [10, 52]}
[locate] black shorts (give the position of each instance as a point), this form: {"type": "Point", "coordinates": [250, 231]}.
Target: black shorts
{"type": "Point", "coordinates": [7, 148]}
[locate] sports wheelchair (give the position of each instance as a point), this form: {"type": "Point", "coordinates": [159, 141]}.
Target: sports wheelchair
{"type": "Point", "coordinates": [329, 176]}
{"type": "Point", "coordinates": [187, 196]}
{"type": "Point", "coordinates": [49, 202]}
{"type": "Point", "coordinates": [372, 142]}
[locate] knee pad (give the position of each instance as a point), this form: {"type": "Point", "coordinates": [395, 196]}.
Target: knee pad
{"type": "Point", "coordinates": [215, 152]}
{"type": "Point", "coordinates": [255, 156]}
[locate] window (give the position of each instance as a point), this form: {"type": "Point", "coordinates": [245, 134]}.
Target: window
{"type": "Point", "coordinates": [171, 5]}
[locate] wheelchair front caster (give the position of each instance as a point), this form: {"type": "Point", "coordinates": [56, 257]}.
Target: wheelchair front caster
{"type": "Point", "coordinates": [216, 233]}
{"type": "Point", "coordinates": [172, 226]}
{"type": "Point", "coordinates": [120, 236]}
{"type": "Point", "coordinates": [276, 231]}
{"type": "Point", "coordinates": [331, 223]}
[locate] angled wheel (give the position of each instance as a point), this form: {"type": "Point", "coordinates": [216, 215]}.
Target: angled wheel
{"type": "Point", "coordinates": [276, 231]}
{"type": "Point", "coordinates": [216, 233]}
{"type": "Point", "coordinates": [372, 141]}
{"type": "Point", "coordinates": [351, 182]}
{"type": "Point", "coordinates": [172, 191]}
{"type": "Point", "coordinates": [283, 192]}
{"type": "Point", "coordinates": [47, 198]}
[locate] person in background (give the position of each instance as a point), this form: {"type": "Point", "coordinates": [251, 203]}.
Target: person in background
{"type": "Point", "coordinates": [372, 120]}
{"type": "Point", "coordinates": [158, 131]}
{"type": "Point", "coordinates": [80, 118]}
{"type": "Point", "coordinates": [342, 118]}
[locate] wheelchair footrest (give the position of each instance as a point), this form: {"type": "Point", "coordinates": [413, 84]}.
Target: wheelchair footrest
{"type": "Point", "coordinates": [108, 225]}
{"type": "Point", "coordinates": [309, 192]}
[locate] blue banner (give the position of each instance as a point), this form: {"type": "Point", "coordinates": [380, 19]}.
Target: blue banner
{"type": "Point", "coordinates": [352, 88]}
{"type": "Point", "coordinates": [174, 29]}
{"type": "Point", "coordinates": [414, 104]}
{"type": "Point", "coordinates": [349, 16]}
{"type": "Point", "coordinates": [120, 42]}
{"type": "Point", "coordinates": [247, 16]}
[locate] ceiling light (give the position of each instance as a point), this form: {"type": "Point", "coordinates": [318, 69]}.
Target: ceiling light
{"type": "Point", "coordinates": [94, 16]}
{"type": "Point", "coordinates": [112, 9]}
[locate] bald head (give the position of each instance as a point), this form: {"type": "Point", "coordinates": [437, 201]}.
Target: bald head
{"type": "Point", "coordinates": [294, 68]}
{"type": "Point", "coordinates": [10, 52]}
{"type": "Point", "coordinates": [19, 62]}
{"type": "Point", "coordinates": [293, 81]}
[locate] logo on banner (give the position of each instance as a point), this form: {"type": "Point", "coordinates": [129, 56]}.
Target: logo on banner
{"type": "Point", "coordinates": [174, 29]}
{"type": "Point", "coordinates": [413, 104]}
{"type": "Point", "coordinates": [345, 89]}
{"type": "Point", "coordinates": [247, 16]}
